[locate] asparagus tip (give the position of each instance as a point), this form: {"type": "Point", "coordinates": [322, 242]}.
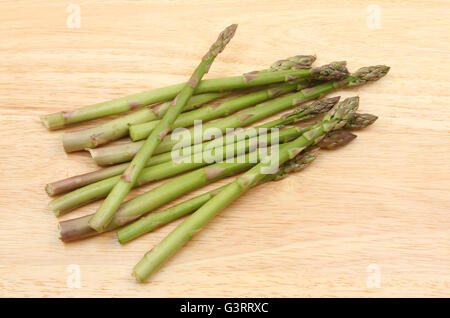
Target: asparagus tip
{"type": "Point", "coordinates": [323, 105]}
{"type": "Point", "coordinates": [343, 111]}
{"type": "Point", "coordinates": [332, 71]}
{"type": "Point", "coordinates": [225, 36]}
{"type": "Point", "coordinates": [299, 162]}
{"type": "Point", "coordinates": [295, 63]}
{"type": "Point", "coordinates": [369, 74]}
{"type": "Point", "coordinates": [359, 121]}
{"type": "Point", "coordinates": [336, 139]}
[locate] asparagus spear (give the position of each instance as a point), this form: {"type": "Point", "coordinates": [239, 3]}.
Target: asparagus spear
{"type": "Point", "coordinates": [101, 188]}
{"type": "Point", "coordinates": [110, 205]}
{"type": "Point", "coordinates": [120, 105]}
{"type": "Point", "coordinates": [170, 168]}
{"type": "Point", "coordinates": [115, 154]}
{"type": "Point", "coordinates": [81, 180]}
{"type": "Point", "coordinates": [124, 152]}
{"type": "Point", "coordinates": [73, 200]}
{"type": "Point", "coordinates": [326, 72]}
{"type": "Point", "coordinates": [118, 128]}
{"type": "Point", "coordinates": [361, 121]}
{"type": "Point", "coordinates": [297, 62]}
{"type": "Point", "coordinates": [335, 119]}
{"type": "Point", "coordinates": [164, 170]}
{"type": "Point", "coordinates": [155, 220]}
{"type": "Point", "coordinates": [216, 110]}
{"type": "Point", "coordinates": [299, 114]}
{"type": "Point", "coordinates": [336, 138]}
{"type": "Point", "coordinates": [78, 228]}
{"type": "Point", "coordinates": [115, 129]}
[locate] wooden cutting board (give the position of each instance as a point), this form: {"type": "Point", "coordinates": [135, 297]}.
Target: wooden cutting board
{"type": "Point", "coordinates": [367, 220]}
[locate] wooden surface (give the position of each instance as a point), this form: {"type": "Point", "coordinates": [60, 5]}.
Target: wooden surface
{"type": "Point", "coordinates": [371, 219]}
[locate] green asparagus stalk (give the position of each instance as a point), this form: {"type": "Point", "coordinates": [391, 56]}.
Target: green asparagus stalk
{"type": "Point", "coordinates": [299, 114]}
{"type": "Point", "coordinates": [216, 110]}
{"type": "Point", "coordinates": [335, 119]}
{"type": "Point", "coordinates": [124, 104]}
{"type": "Point", "coordinates": [118, 128]}
{"type": "Point", "coordinates": [85, 195]}
{"type": "Point", "coordinates": [101, 189]}
{"type": "Point", "coordinates": [171, 167]}
{"type": "Point", "coordinates": [125, 152]}
{"type": "Point", "coordinates": [326, 73]}
{"type": "Point", "coordinates": [78, 228]}
{"type": "Point", "coordinates": [115, 155]}
{"type": "Point", "coordinates": [155, 220]}
{"type": "Point", "coordinates": [81, 180]}
{"type": "Point", "coordinates": [112, 202]}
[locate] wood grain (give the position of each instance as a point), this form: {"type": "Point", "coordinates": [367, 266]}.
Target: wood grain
{"type": "Point", "coordinates": [383, 200]}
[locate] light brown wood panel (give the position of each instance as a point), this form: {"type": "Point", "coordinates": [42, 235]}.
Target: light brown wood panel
{"type": "Point", "coordinates": [382, 200]}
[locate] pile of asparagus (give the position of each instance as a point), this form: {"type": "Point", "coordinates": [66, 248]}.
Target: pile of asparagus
{"type": "Point", "coordinates": [160, 116]}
